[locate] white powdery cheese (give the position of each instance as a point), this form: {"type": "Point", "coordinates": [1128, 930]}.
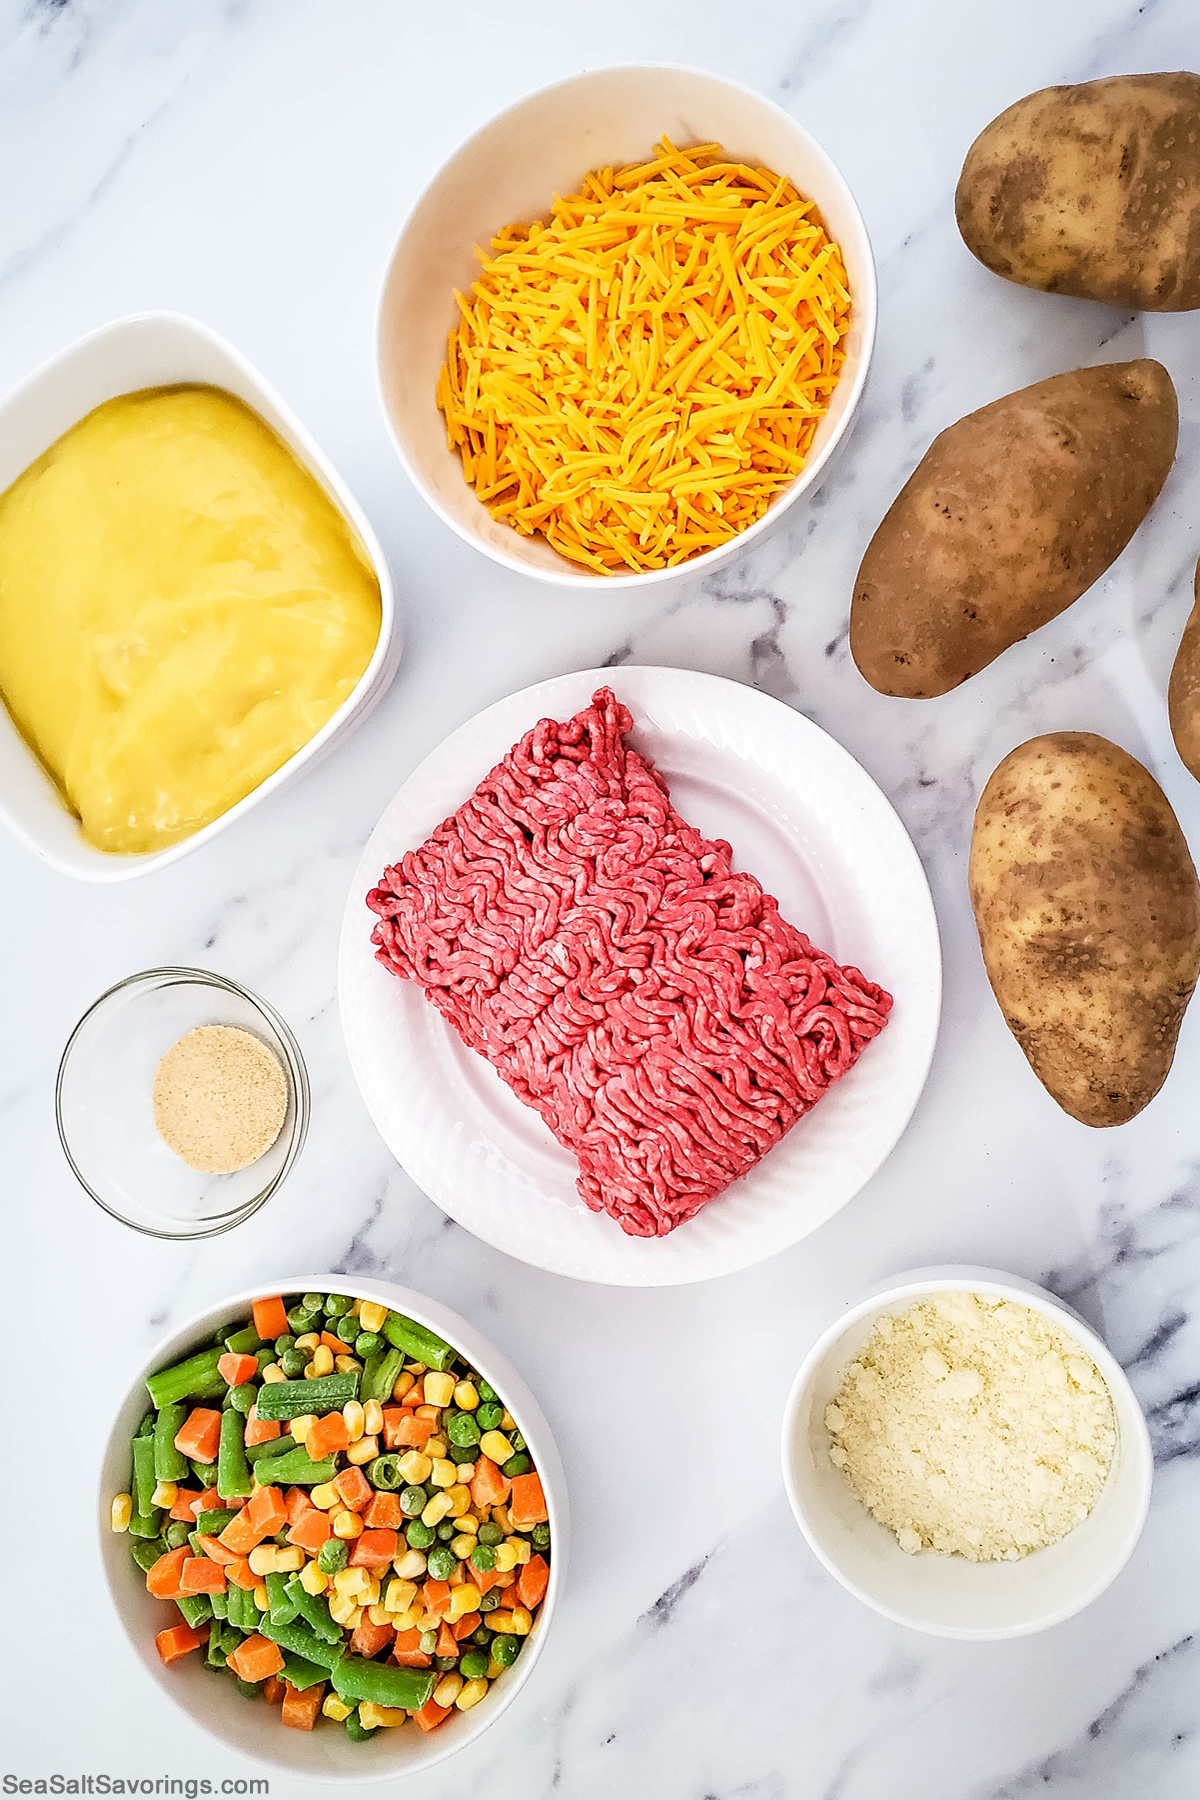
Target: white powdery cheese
{"type": "Point", "coordinates": [973, 1427]}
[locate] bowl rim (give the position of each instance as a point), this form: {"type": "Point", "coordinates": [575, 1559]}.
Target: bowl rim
{"type": "Point", "coordinates": [388, 645]}
{"type": "Point", "coordinates": [298, 1086]}
{"type": "Point", "coordinates": [865, 298]}
{"type": "Point", "coordinates": [916, 1284]}
{"type": "Point", "coordinates": [468, 1340]}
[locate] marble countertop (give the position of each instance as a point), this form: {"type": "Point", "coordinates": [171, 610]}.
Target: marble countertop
{"type": "Point", "coordinates": [250, 162]}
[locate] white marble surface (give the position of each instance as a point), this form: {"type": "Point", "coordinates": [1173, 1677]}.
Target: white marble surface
{"type": "Point", "coordinates": [250, 161]}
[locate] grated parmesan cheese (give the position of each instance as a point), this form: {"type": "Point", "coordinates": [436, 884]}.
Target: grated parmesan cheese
{"type": "Point", "coordinates": [973, 1427]}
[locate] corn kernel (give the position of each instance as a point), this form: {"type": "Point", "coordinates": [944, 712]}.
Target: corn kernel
{"type": "Point", "coordinates": [437, 1509]}
{"type": "Point", "coordinates": [400, 1595]}
{"type": "Point", "coordinates": [410, 1566]}
{"type": "Point", "coordinates": [506, 1557]}
{"type": "Point", "coordinates": [415, 1468]}
{"type": "Point", "coordinates": [323, 1360]}
{"type": "Point", "coordinates": [404, 1383]}
{"type": "Point", "coordinates": [348, 1525]}
{"type": "Point", "coordinates": [354, 1306]}
{"type": "Point", "coordinates": [260, 1597]}
{"type": "Point", "coordinates": [466, 1521]}
{"type": "Point", "coordinates": [373, 1414]}
{"type": "Point", "coordinates": [365, 1451]}
{"type": "Point", "coordinates": [463, 1599]}
{"type": "Point", "coordinates": [313, 1578]}
{"type": "Point", "coordinates": [500, 1517]}
{"type": "Point", "coordinates": [466, 1396]}
{"type": "Point", "coordinates": [471, 1693]}
{"type": "Point", "coordinates": [165, 1494]}
{"type": "Point", "coordinates": [354, 1417]}
{"type": "Point", "coordinates": [494, 1668]}
{"type": "Point", "coordinates": [309, 1341]}
{"type": "Point", "coordinates": [372, 1315]}
{"type": "Point", "coordinates": [415, 1368]}
{"type": "Point", "coordinates": [522, 1620]}
{"type": "Point", "coordinates": [301, 1426]}
{"type": "Point", "coordinates": [436, 1446]}
{"type": "Point", "coordinates": [460, 1497]}
{"type": "Point", "coordinates": [122, 1511]}
{"type": "Point", "coordinates": [522, 1549]}
{"type": "Point", "coordinates": [346, 1365]}
{"type": "Point", "coordinates": [448, 1689]}
{"type": "Point", "coordinates": [310, 1371]}
{"type": "Point", "coordinates": [262, 1559]}
{"type": "Point", "coordinates": [342, 1609]}
{"type": "Point", "coordinates": [443, 1473]}
{"type": "Point", "coordinates": [289, 1559]}
{"type": "Point", "coordinates": [403, 1621]}
{"type": "Point", "coordinates": [458, 1575]}
{"type": "Point", "coordinates": [371, 1717]}
{"type": "Point", "coordinates": [507, 1422]}
{"type": "Point", "coordinates": [439, 1389]}
{"type": "Point", "coordinates": [273, 1372]}
{"type": "Point", "coordinates": [496, 1446]}
{"type": "Point", "coordinates": [379, 1614]}
{"type": "Point", "coordinates": [333, 1708]}
{"type": "Point", "coordinates": [325, 1496]}
{"type": "Point", "coordinates": [501, 1621]}
{"type": "Point", "coordinates": [426, 1411]}
{"type": "Point", "coordinates": [347, 1582]}
{"type": "Point", "coordinates": [463, 1544]}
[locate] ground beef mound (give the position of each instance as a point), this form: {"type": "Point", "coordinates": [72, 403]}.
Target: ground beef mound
{"type": "Point", "coordinates": [646, 998]}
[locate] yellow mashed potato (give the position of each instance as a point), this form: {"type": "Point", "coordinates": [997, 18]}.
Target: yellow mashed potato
{"type": "Point", "coordinates": [181, 608]}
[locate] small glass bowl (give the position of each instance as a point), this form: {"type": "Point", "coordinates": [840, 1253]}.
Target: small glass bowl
{"type": "Point", "coordinates": [105, 1115]}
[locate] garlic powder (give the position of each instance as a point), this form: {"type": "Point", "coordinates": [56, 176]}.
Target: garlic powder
{"type": "Point", "coordinates": [974, 1427]}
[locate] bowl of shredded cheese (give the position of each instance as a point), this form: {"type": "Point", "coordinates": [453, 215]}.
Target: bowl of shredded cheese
{"type": "Point", "coordinates": [626, 327]}
{"type": "Point", "coordinates": [966, 1456]}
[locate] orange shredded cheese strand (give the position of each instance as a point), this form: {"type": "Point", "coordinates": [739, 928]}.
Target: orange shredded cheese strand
{"type": "Point", "coordinates": [638, 377]}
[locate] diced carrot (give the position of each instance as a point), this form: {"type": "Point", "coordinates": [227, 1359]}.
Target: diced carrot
{"type": "Point", "coordinates": [371, 1548]}
{"type": "Point", "coordinates": [215, 1552]}
{"type": "Point", "coordinates": [326, 1436]}
{"type": "Point", "coordinates": [310, 1530]}
{"type": "Point", "coordinates": [182, 1508]}
{"type": "Point", "coordinates": [504, 1577]}
{"type": "Point", "coordinates": [209, 1501]}
{"type": "Point", "coordinates": [200, 1434]}
{"type": "Point", "coordinates": [237, 1368]}
{"type": "Point", "coordinates": [255, 1658]}
{"type": "Point", "coordinates": [267, 1512]}
{"type": "Point", "coordinates": [260, 1431]}
{"type": "Point", "coordinates": [241, 1535]}
{"type": "Point", "coordinates": [242, 1575]}
{"type": "Point", "coordinates": [368, 1639]}
{"type": "Point", "coordinates": [296, 1501]}
{"type": "Point", "coordinates": [431, 1715]}
{"type": "Point", "coordinates": [415, 1433]}
{"type": "Point", "coordinates": [335, 1344]}
{"type": "Point", "coordinates": [407, 1651]}
{"type": "Point", "coordinates": [528, 1503]}
{"type": "Point", "coordinates": [177, 1640]}
{"type": "Point", "coordinates": [384, 1511]}
{"type": "Point", "coordinates": [162, 1577]}
{"type": "Point", "coordinates": [270, 1318]}
{"type": "Point", "coordinates": [200, 1576]}
{"type": "Point", "coordinates": [300, 1710]}
{"type": "Point", "coordinates": [437, 1596]}
{"type": "Point", "coordinates": [532, 1581]}
{"type": "Point", "coordinates": [273, 1690]}
{"type": "Point", "coordinates": [393, 1418]}
{"type": "Point", "coordinates": [354, 1488]}
{"type": "Point", "coordinates": [484, 1578]}
{"type": "Point", "coordinates": [447, 1644]}
{"type": "Point", "coordinates": [488, 1486]}
{"type": "Point", "coordinates": [465, 1626]}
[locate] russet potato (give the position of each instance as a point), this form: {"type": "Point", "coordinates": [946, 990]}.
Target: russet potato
{"type": "Point", "coordinates": [1183, 693]}
{"type": "Point", "coordinates": [1092, 190]}
{"type": "Point", "coordinates": [1088, 910]}
{"type": "Point", "coordinates": [1010, 516]}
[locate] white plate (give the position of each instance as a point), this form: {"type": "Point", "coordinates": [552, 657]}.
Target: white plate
{"type": "Point", "coordinates": [803, 817]}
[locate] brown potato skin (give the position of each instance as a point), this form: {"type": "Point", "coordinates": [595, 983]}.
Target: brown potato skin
{"type": "Point", "coordinates": [1093, 191]}
{"type": "Point", "coordinates": [1088, 910]}
{"type": "Point", "coordinates": [1183, 691]}
{"type": "Point", "coordinates": [1011, 514]}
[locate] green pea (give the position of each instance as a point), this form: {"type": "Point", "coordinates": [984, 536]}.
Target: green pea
{"type": "Point", "coordinates": [461, 1428]}
{"type": "Point", "coordinates": [176, 1534]}
{"type": "Point", "coordinates": [481, 1636]}
{"type": "Point", "coordinates": [473, 1665]}
{"type": "Point", "coordinates": [428, 1642]}
{"type": "Point", "coordinates": [487, 1391]}
{"type": "Point", "coordinates": [463, 1453]}
{"type": "Point", "coordinates": [539, 1537]}
{"type": "Point", "coordinates": [517, 1465]}
{"type": "Point", "coordinates": [490, 1601]}
{"type": "Point", "coordinates": [445, 1663]}
{"type": "Point", "coordinates": [264, 1357]}
{"type": "Point", "coordinates": [506, 1647]}
{"type": "Point", "coordinates": [348, 1330]}
{"type": "Point", "coordinates": [413, 1502]}
{"type": "Point", "coordinates": [293, 1363]}
{"type": "Point", "coordinates": [333, 1555]}
{"type": "Point", "coordinates": [517, 1441]}
{"type": "Point", "coordinates": [419, 1535]}
{"type": "Point", "coordinates": [489, 1416]}
{"type": "Point", "coordinates": [313, 1303]}
{"type": "Point", "coordinates": [367, 1343]}
{"type": "Point", "coordinates": [490, 1534]}
{"type": "Point", "coordinates": [356, 1731]}
{"type": "Point", "coordinates": [286, 1342]}
{"type": "Point", "coordinates": [301, 1320]}
{"type": "Point", "coordinates": [242, 1398]}
{"type": "Point", "coordinates": [337, 1306]}
{"type": "Point", "coordinates": [483, 1557]}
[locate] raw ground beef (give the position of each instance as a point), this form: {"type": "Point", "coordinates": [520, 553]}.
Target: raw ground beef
{"type": "Point", "coordinates": [649, 1001]}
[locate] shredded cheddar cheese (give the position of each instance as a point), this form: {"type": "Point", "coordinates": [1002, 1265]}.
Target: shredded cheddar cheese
{"type": "Point", "coordinates": [638, 377]}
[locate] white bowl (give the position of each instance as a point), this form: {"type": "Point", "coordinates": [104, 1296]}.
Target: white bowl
{"type": "Point", "coordinates": [253, 1728]}
{"type": "Point", "coordinates": [510, 170]}
{"type": "Point", "coordinates": [947, 1595]}
{"type": "Point", "coordinates": [140, 351]}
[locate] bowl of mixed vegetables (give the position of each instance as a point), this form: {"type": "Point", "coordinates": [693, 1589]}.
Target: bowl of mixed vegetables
{"type": "Point", "coordinates": [334, 1524]}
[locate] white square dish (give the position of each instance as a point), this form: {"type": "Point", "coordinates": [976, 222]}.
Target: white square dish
{"type": "Point", "coordinates": [156, 350]}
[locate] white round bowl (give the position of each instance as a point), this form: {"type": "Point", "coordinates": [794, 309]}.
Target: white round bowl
{"type": "Point", "coordinates": [253, 1728]}
{"type": "Point", "coordinates": [511, 170]}
{"type": "Point", "coordinates": [947, 1595]}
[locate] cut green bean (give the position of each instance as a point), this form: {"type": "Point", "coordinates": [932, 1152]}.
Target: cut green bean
{"type": "Point", "coordinates": [356, 1678]}
{"type": "Point", "coordinates": [194, 1378]}
{"type": "Point", "coordinates": [234, 1480]}
{"type": "Point", "coordinates": [219, 1605]}
{"type": "Point", "coordinates": [176, 1534]}
{"type": "Point", "coordinates": [249, 1690]}
{"type": "Point", "coordinates": [146, 1525]}
{"type": "Point", "coordinates": [379, 1375]}
{"type": "Point", "coordinates": [302, 1674]}
{"type": "Point", "coordinates": [145, 1552]}
{"type": "Point", "coordinates": [300, 1641]}
{"type": "Point", "coordinates": [242, 1397]}
{"type": "Point", "coordinates": [283, 1608]}
{"type": "Point", "coordinates": [244, 1342]}
{"type": "Point", "coordinates": [195, 1608]}
{"type": "Point", "coordinates": [325, 1393]}
{"type": "Point", "coordinates": [212, 1524]}
{"type": "Point", "coordinates": [146, 1425]}
{"type": "Point", "coordinates": [144, 1481]}
{"type": "Point", "coordinates": [333, 1555]}
{"type": "Point", "coordinates": [294, 1469]}
{"type": "Point", "coordinates": [418, 1342]}
{"type": "Point", "coordinates": [314, 1610]}
{"type": "Point", "coordinates": [170, 1464]}
{"type": "Point", "coordinates": [356, 1731]}
{"type": "Point", "coordinates": [384, 1472]}
{"type": "Point", "coordinates": [277, 1447]}
{"type": "Point", "coordinates": [214, 1656]}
